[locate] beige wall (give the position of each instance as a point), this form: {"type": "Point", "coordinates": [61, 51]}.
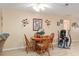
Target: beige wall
{"type": "Point", "coordinates": [12, 24]}
{"type": "Point", "coordinates": [0, 20]}
{"type": "Point", "coordinates": [75, 32]}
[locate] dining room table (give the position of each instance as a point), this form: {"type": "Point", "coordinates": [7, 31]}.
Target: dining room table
{"type": "Point", "coordinates": [39, 40]}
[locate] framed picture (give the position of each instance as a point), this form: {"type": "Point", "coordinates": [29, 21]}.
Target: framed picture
{"type": "Point", "coordinates": [37, 24]}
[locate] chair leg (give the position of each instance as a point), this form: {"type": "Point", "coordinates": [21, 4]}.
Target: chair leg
{"type": "Point", "coordinates": [26, 50]}
{"type": "Point", "coordinates": [48, 52]}
{"type": "Point", "coordinates": [52, 46]}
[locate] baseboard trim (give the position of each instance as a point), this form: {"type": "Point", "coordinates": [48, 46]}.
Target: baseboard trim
{"type": "Point", "coordinates": [13, 48]}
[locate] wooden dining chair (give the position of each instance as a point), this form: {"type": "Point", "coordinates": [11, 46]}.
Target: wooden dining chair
{"type": "Point", "coordinates": [28, 44]}
{"type": "Point", "coordinates": [44, 47]}
{"type": "Point", "coordinates": [51, 40]}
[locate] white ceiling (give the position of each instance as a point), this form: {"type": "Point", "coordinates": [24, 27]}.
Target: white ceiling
{"type": "Point", "coordinates": [56, 8]}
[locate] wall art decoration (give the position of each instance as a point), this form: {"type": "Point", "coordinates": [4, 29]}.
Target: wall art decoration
{"type": "Point", "coordinates": [47, 22]}
{"type": "Point", "coordinates": [61, 21]}
{"type": "Point", "coordinates": [24, 22]}
{"type": "Point", "coordinates": [75, 25]}
{"type": "Point", "coordinates": [58, 23]}
{"type": "Point", "coordinates": [37, 24]}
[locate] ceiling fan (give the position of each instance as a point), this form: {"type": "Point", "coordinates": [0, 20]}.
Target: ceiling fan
{"type": "Point", "coordinates": [38, 6]}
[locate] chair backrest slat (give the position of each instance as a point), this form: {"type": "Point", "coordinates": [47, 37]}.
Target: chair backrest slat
{"type": "Point", "coordinates": [26, 40]}
{"type": "Point", "coordinates": [52, 37]}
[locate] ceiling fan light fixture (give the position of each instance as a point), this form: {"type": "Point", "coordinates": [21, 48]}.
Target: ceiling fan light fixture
{"type": "Point", "coordinates": [38, 7]}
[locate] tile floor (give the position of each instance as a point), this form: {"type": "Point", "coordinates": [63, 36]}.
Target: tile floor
{"type": "Point", "coordinates": [73, 51]}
